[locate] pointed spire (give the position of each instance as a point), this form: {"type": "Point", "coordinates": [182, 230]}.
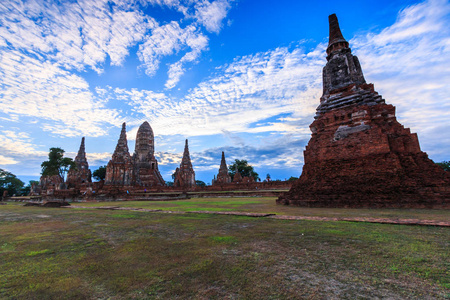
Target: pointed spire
{"type": "Point", "coordinates": [223, 163]}
{"type": "Point", "coordinates": [82, 150]}
{"type": "Point", "coordinates": [337, 40]}
{"type": "Point", "coordinates": [186, 148]}
{"type": "Point", "coordinates": [186, 160]}
{"type": "Point", "coordinates": [123, 133]}
{"type": "Point", "coordinates": [80, 159]}
{"type": "Point", "coordinates": [122, 145]}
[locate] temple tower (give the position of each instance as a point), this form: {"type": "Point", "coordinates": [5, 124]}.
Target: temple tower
{"type": "Point", "coordinates": [185, 175]}
{"type": "Point", "coordinates": [222, 177]}
{"type": "Point", "coordinates": [81, 174]}
{"type": "Point", "coordinates": [145, 165]}
{"type": "Point", "coordinates": [119, 170]}
{"type": "Point", "coordinates": [237, 176]}
{"type": "Point", "coordinates": [359, 155]}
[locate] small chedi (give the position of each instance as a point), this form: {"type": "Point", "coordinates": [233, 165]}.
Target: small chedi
{"type": "Point", "coordinates": [185, 175]}
{"type": "Point", "coordinates": [222, 177]}
{"type": "Point", "coordinates": [359, 155]}
{"type": "Point", "coordinates": [237, 178]}
{"type": "Point", "coordinates": [119, 170]}
{"type": "Point", "coordinates": [141, 169]}
{"type": "Point", "coordinates": [80, 175]}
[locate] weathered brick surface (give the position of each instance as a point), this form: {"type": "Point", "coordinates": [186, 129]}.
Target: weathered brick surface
{"type": "Point", "coordinates": [81, 175]}
{"type": "Point", "coordinates": [359, 155]}
{"type": "Point", "coordinates": [185, 175]}
{"type": "Point", "coordinates": [222, 177]}
{"type": "Point", "coordinates": [378, 166]}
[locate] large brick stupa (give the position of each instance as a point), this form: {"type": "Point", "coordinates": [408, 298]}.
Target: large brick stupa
{"type": "Point", "coordinates": [359, 155]}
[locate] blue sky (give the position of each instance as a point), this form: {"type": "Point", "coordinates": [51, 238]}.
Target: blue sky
{"type": "Point", "coordinates": [242, 77]}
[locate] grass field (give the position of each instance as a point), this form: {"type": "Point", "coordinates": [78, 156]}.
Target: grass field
{"type": "Point", "coordinates": [267, 205]}
{"type": "Point", "coordinates": [50, 253]}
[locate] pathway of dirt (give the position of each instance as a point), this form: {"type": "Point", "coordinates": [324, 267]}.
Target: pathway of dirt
{"type": "Point", "coordinates": [284, 217]}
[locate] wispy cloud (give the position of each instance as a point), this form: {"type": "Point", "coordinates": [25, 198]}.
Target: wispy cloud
{"type": "Point", "coordinates": [167, 40]}
{"type": "Point", "coordinates": [17, 149]}
{"type": "Point", "coordinates": [409, 62]}
{"type": "Point", "coordinates": [251, 89]}
{"type": "Point", "coordinates": [33, 87]}
{"type": "Point", "coordinates": [211, 14]}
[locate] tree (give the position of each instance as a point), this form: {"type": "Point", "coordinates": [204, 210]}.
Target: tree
{"type": "Point", "coordinates": [57, 164]}
{"type": "Point", "coordinates": [100, 173]}
{"type": "Point", "coordinates": [9, 182]}
{"type": "Point", "coordinates": [244, 169]}
{"type": "Point", "coordinates": [268, 177]}
{"type": "Point", "coordinates": [292, 178]}
{"type": "Point", "coordinates": [200, 183]}
{"type": "Point", "coordinates": [25, 191]}
{"type": "Point", "coordinates": [445, 165]}
{"type": "Point", "coordinates": [169, 183]}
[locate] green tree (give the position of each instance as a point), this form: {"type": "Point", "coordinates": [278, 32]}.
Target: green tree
{"type": "Point", "coordinates": [292, 178]}
{"type": "Point", "coordinates": [100, 173]}
{"type": "Point", "coordinates": [25, 191]}
{"type": "Point", "coordinates": [9, 182]}
{"type": "Point", "coordinates": [445, 165]}
{"type": "Point", "coordinates": [200, 183]}
{"type": "Point", "coordinates": [169, 183]}
{"type": "Point", "coordinates": [268, 177]}
{"type": "Point", "coordinates": [57, 164]}
{"type": "Point", "coordinates": [244, 169]}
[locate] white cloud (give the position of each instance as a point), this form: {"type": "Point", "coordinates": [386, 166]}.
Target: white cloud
{"type": "Point", "coordinates": [31, 87]}
{"type": "Point", "coordinates": [79, 35]}
{"type": "Point", "coordinates": [211, 14]}
{"type": "Point", "coordinates": [76, 34]}
{"type": "Point", "coordinates": [167, 40]}
{"type": "Point", "coordinates": [7, 160]}
{"type": "Point", "coordinates": [250, 89]}
{"type": "Point", "coordinates": [17, 146]}
{"type": "Point", "coordinates": [409, 63]}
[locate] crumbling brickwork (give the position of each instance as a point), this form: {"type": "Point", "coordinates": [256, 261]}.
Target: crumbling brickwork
{"type": "Point", "coordinates": [359, 155]}
{"type": "Point", "coordinates": [185, 175]}
{"type": "Point", "coordinates": [81, 175]}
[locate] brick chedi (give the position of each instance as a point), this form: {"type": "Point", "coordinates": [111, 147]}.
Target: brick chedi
{"type": "Point", "coordinates": [119, 171]}
{"type": "Point", "coordinates": [81, 175]}
{"type": "Point", "coordinates": [359, 155]}
{"type": "Point", "coordinates": [237, 176]}
{"type": "Point", "coordinates": [185, 175]}
{"type": "Point", "coordinates": [223, 177]}
{"type": "Point", "coordinates": [145, 165]}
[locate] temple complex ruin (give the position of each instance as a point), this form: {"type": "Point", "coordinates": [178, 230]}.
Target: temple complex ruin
{"type": "Point", "coordinates": [119, 170]}
{"type": "Point", "coordinates": [222, 177]}
{"type": "Point", "coordinates": [141, 169]}
{"type": "Point", "coordinates": [80, 175]}
{"type": "Point", "coordinates": [359, 155]}
{"type": "Point", "coordinates": [145, 165]}
{"type": "Point", "coordinates": [185, 175]}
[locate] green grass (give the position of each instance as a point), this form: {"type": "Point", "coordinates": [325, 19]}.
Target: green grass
{"type": "Point", "coordinates": [51, 253]}
{"type": "Point", "coordinates": [268, 205]}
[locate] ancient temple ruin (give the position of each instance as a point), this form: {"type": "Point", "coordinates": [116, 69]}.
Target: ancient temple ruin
{"type": "Point", "coordinates": [145, 165]}
{"type": "Point", "coordinates": [185, 175]}
{"type": "Point", "coordinates": [222, 177]}
{"type": "Point", "coordinates": [119, 170]}
{"type": "Point", "coordinates": [359, 155]}
{"type": "Point", "coordinates": [80, 175]}
{"type": "Point", "coordinates": [237, 178]}
{"type": "Point", "coordinates": [141, 169]}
